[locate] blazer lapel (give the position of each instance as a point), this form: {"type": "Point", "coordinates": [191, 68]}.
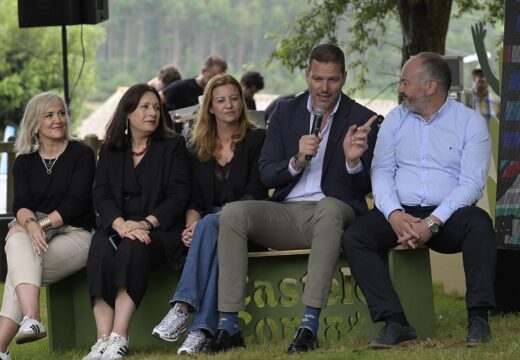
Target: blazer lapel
{"type": "Point", "coordinates": [209, 169]}
{"type": "Point", "coordinates": [152, 170]}
{"type": "Point", "coordinates": [338, 130]}
{"type": "Point", "coordinates": [116, 174]}
{"type": "Point", "coordinates": [300, 128]}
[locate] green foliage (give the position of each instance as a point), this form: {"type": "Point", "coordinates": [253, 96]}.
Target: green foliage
{"type": "Point", "coordinates": [31, 62]}
{"type": "Point", "coordinates": [493, 10]}
{"type": "Point", "coordinates": [357, 25]}
{"type": "Point", "coordinates": [144, 35]}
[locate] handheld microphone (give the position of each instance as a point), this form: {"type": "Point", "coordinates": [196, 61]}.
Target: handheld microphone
{"type": "Point", "coordinates": [316, 125]}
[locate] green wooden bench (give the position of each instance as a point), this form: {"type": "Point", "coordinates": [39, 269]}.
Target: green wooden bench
{"type": "Point", "coordinates": [275, 286]}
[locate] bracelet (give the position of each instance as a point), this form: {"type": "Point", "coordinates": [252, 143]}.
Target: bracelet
{"type": "Point", "coordinates": [45, 223]}
{"type": "Point", "coordinates": [149, 224]}
{"type": "Point", "coordinates": [28, 220]}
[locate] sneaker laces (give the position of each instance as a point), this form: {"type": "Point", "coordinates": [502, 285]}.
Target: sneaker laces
{"type": "Point", "coordinates": [114, 339]}
{"type": "Point", "coordinates": [194, 339]}
{"type": "Point", "coordinates": [174, 317]}
{"type": "Point", "coordinates": [100, 344]}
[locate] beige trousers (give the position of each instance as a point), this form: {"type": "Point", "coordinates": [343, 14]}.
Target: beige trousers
{"type": "Point", "coordinates": [280, 226]}
{"type": "Point", "coordinates": [67, 253]}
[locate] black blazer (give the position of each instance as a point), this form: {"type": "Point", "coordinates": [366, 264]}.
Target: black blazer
{"type": "Point", "coordinates": [244, 181]}
{"type": "Point", "coordinates": [165, 192]}
{"type": "Point", "coordinates": [289, 123]}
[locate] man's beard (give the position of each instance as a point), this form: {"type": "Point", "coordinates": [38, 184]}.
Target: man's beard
{"type": "Point", "coordinates": [415, 105]}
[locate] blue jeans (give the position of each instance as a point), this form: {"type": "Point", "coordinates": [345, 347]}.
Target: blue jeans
{"type": "Point", "coordinates": [199, 280]}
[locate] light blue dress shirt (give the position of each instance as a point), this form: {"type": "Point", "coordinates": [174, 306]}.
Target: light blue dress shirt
{"type": "Point", "coordinates": [308, 187]}
{"type": "Point", "coordinates": [443, 162]}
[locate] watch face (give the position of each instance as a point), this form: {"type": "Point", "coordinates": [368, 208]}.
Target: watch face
{"type": "Point", "coordinates": [432, 226]}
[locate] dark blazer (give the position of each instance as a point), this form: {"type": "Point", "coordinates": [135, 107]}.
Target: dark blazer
{"type": "Point", "coordinates": [244, 181]}
{"type": "Point", "coordinates": [289, 123]}
{"type": "Point", "coordinates": [165, 192]}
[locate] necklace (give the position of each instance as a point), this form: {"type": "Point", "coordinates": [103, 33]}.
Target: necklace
{"type": "Point", "coordinates": [142, 152]}
{"type": "Point", "coordinates": [49, 164]}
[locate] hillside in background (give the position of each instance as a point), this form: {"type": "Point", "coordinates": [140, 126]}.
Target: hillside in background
{"type": "Point", "coordinates": [144, 35]}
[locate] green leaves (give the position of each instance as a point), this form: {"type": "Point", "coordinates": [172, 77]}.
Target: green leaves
{"type": "Point", "coordinates": [359, 25]}
{"type": "Point", "coordinates": [31, 62]}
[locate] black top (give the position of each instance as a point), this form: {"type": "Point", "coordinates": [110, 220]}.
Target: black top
{"type": "Point", "coordinates": [164, 181]}
{"type": "Point", "coordinates": [182, 93]}
{"type": "Point", "coordinates": [250, 103]}
{"type": "Point", "coordinates": [243, 181]}
{"type": "Point", "coordinates": [219, 187]}
{"type": "Point", "coordinates": [165, 184]}
{"type": "Point", "coordinates": [132, 188]}
{"type": "Point", "coordinates": [67, 189]}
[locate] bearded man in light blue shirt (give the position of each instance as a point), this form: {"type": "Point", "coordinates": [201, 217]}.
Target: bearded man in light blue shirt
{"type": "Point", "coordinates": [430, 166]}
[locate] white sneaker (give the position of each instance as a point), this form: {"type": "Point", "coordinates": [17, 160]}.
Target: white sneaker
{"type": "Point", "coordinates": [117, 347]}
{"type": "Point", "coordinates": [30, 330]}
{"type": "Point", "coordinates": [193, 343]}
{"type": "Point", "coordinates": [173, 325]}
{"type": "Point", "coordinates": [96, 351]}
{"type": "Point", "coordinates": [5, 355]}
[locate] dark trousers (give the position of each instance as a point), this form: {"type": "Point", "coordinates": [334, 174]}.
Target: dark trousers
{"type": "Point", "coordinates": [469, 230]}
{"type": "Point", "coordinates": [127, 267]}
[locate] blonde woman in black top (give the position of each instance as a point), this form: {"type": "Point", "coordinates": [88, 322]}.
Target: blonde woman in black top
{"type": "Point", "coordinates": [53, 175]}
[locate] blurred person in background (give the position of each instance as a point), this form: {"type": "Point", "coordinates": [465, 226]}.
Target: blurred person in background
{"type": "Point", "coordinates": [484, 101]}
{"type": "Point", "coordinates": [251, 82]}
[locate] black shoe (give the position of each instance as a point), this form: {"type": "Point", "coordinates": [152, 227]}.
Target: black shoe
{"type": "Point", "coordinates": [393, 334]}
{"type": "Point", "coordinates": [478, 331]}
{"type": "Point", "coordinates": [223, 342]}
{"type": "Point", "coordinates": [304, 340]}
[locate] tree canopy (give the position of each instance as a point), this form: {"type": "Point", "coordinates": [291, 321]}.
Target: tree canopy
{"type": "Point", "coordinates": [144, 35]}
{"type": "Point", "coordinates": [31, 62]}
{"type": "Point", "coordinates": [359, 25]}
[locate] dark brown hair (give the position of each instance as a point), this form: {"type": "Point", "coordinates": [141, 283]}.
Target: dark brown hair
{"type": "Point", "coordinates": [328, 53]}
{"type": "Point", "coordinates": [215, 60]}
{"type": "Point", "coordinates": [115, 136]}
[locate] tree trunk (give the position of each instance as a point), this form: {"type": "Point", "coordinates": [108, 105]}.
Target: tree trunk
{"type": "Point", "coordinates": [424, 24]}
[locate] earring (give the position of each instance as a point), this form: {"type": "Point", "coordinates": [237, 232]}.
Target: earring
{"type": "Point", "coordinates": [126, 129]}
{"type": "Point", "coordinates": [35, 143]}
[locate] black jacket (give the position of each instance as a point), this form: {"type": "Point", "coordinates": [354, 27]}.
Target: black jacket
{"type": "Point", "coordinates": [244, 181]}
{"type": "Point", "coordinates": [289, 123]}
{"type": "Point", "coordinates": [165, 192]}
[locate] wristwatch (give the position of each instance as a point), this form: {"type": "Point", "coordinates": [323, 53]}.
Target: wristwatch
{"type": "Point", "coordinates": [432, 226]}
{"type": "Point", "coordinates": [299, 165]}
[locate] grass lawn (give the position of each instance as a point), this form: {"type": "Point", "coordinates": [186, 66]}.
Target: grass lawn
{"type": "Point", "coordinates": [448, 343]}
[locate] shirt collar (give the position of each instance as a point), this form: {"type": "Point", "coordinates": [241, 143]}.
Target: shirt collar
{"type": "Point", "coordinates": [445, 107]}
{"type": "Point", "coordinates": [442, 110]}
{"type": "Point", "coordinates": [309, 106]}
